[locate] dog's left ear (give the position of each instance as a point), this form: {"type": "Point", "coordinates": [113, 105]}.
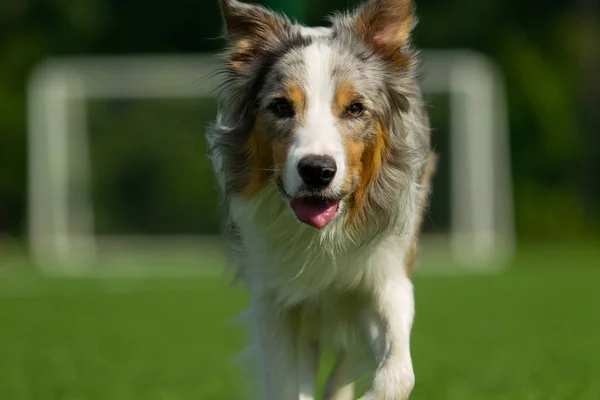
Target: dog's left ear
{"type": "Point", "coordinates": [249, 25]}
{"type": "Point", "coordinates": [385, 24]}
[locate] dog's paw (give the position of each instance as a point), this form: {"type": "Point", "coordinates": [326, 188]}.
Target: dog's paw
{"type": "Point", "coordinates": [391, 385]}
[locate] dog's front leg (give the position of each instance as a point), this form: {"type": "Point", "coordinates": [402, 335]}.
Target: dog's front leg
{"type": "Point", "coordinates": [307, 355]}
{"type": "Point", "coordinates": [387, 324]}
{"type": "Point", "coordinates": [340, 384]}
{"type": "Point", "coordinates": [274, 336]}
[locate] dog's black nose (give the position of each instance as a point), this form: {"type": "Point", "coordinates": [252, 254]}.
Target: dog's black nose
{"type": "Point", "coordinates": [317, 171]}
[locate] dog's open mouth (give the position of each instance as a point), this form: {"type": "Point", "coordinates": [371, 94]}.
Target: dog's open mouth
{"type": "Point", "coordinates": [316, 212]}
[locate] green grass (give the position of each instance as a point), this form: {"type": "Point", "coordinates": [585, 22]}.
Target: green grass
{"type": "Point", "coordinates": [530, 333]}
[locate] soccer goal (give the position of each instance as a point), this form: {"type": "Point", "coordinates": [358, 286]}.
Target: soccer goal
{"type": "Point", "coordinates": [475, 197]}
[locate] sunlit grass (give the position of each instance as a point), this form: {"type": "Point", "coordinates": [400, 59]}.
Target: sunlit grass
{"type": "Point", "coordinates": [529, 333]}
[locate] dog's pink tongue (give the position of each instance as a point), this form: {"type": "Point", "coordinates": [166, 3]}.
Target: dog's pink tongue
{"type": "Point", "coordinates": [317, 214]}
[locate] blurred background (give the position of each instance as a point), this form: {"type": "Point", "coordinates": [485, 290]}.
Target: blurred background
{"type": "Point", "coordinates": [122, 180]}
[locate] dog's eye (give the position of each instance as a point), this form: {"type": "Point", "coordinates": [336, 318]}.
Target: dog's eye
{"type": "Point", "coordinates": [282, 108]}
{"type": "Point", "coordinates": [355, 110]}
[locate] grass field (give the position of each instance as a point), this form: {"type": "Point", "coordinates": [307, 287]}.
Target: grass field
{"type": "Point", "coordinates": [530, 333]}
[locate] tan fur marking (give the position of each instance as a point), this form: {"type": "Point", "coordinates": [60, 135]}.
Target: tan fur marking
{"type": "Point", "coordinates": [344, 95]}
{"type": "Point", "coordinates": [424, 190]}
{"type": "Point", "coordinates": [240, 54]}
{"type": "Point", "coordinates": [260, 161]}
{"type": "Point", "coordinates": [411, 257]}
{"type": "Point", "coordinates": [295, 94]}
{"type": "Point", "coordinates": [353, 149]}
{"type": "Point", "coordinates": [371, 158]}
{"type": "Point", "coordinates": [264, 157]}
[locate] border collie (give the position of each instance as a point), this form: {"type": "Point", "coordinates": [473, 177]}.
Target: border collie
{"type": "Point", "coordinates": [321, 149]}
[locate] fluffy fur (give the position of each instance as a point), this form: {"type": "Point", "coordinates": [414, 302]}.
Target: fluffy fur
{"type": "Point", "coordinates": [346, 285]}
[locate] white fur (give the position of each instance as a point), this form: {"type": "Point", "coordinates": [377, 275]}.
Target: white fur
{"type": "Point", "coordinates": [289, 264]}
{"type": "Point", "coordinates": [318, 134]}
{"type": "Point", "coordinates": [316, 31]}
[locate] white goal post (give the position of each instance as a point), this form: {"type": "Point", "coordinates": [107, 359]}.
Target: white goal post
{"type": "Point", "coordinates": [61, 224]}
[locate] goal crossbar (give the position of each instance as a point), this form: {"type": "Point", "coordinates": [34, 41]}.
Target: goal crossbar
{"type": "Point", "coordinates": [60, 217]}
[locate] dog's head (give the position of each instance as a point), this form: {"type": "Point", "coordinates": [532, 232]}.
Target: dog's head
{"type": "Point", "coordinates": [329, 116]}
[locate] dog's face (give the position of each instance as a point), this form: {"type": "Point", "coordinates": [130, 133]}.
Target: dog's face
{"type": "Point", "coordinates": [318, 103]}
{"type": "Point", "coordinates": [319, 113]}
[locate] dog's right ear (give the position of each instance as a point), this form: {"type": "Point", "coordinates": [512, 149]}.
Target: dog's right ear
{"type": "Point", "coordinates": [385, 25]}
{"type": "Point", "coordinates": [249, 25]}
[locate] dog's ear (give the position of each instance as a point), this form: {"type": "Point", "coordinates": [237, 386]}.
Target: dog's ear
{"type": "Point", "coordinates": [248, 25]}
{"type": "Point", "coordinates": [385, 24]}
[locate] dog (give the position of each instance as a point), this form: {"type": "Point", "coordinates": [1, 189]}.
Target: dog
{"type": "Point", "coordinates": [321, 150]}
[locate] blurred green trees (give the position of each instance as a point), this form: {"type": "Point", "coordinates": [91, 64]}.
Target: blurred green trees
{"type": "Point", "coordinates": [547, 50]}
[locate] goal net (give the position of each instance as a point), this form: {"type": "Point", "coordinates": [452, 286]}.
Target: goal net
{"type": "Point", "coordinates": [118, 176]}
